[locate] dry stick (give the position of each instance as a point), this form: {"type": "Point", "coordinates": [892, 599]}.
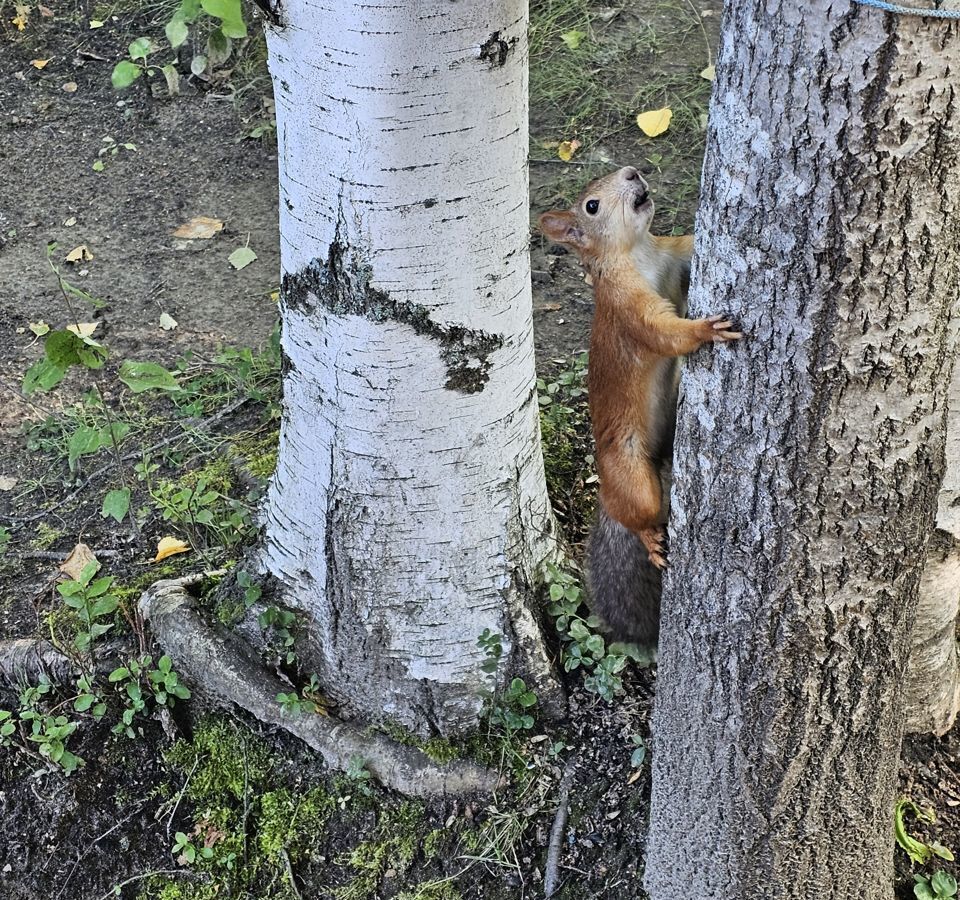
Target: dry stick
{"type": "Point", "coordinates": [19, 393]}
{"type": "Point", "coordinates": [180, 793]}
{"type": "Point", "coordinates": [706, 39]}
{"type": "Point", "coordinates": [113, 891]}
{"type": "Point", "coordinates": [229, 670]}
{"type": "Point", "coordinates": [550, 880]}
{"type": "Point", "coordinates": [115, 446]}
{"type": "Point", "coordinates": [60, 555]}
{"type": "Point", "coordinates": [286, 864]}
{"type": "Point", "coordinates": [134, 454]}
{"type": "Point", "coordinates": [93, 843]}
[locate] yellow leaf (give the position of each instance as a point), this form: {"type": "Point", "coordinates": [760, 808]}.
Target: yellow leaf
{"type": "Point", "coordinates": [79, 254]}
{"type": "Point", "coordinates": [39, 328]}
{"type": "Point", "coordinates": [39, 63]}
{"type": "Point", "coordinates": [708, 73]}
{"type": "Point", "coordinates": [566, 150]}
{"type": "Point", "coordinates": [83, 329]}
{"type": "Point", "coordinates": [169, 546]}
{"type": "Point", "coordinates": [74, 564]}
{"type": "Point", "coordinates": [655, 122]}
{"type": "Point", "coordinates": [22, 17]}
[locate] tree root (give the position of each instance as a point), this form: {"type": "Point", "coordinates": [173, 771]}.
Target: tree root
{"type": "Point", "coordinates": [551, 880]}
{"type": "Point", "coordinates": [227, 670]}
{"type": "Point", "coordinates": [24, 660]}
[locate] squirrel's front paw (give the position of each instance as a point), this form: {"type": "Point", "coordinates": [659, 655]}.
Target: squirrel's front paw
{"type": "Point", "coordinates": [717, 329]}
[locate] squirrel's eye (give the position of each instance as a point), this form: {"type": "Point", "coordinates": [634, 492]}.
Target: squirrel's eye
{"type": "Point", "coordinates": [592, 207]}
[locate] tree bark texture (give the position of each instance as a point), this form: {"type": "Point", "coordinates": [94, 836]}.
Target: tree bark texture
{"type": "Point", "coordinates": [932, 691]}
{"type": "Point", "coordinates": [808, 456]}
{"type": "Point", "coordinates": [409, 509]}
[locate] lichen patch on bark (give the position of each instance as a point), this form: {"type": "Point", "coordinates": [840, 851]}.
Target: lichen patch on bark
{"type": "Point", "coordinates": [341, 284]}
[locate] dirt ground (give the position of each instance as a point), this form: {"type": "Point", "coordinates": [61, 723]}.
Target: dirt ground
{"type": "Point", "coordinates": [113, 822]}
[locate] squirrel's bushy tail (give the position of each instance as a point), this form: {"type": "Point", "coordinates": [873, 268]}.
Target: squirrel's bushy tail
{"type": "Point", "coordinates": [623, 584]}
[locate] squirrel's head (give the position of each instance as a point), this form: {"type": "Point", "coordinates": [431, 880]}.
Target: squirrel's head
{"type": "Point", "coordinates": [611, 216]}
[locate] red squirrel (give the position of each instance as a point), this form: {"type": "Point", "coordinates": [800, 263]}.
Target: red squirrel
{"type": "Point", "coordinates": [639, 332]}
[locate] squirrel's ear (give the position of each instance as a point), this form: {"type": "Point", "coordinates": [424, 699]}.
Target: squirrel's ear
{"type": "Point", "coordinates": [560, 225]}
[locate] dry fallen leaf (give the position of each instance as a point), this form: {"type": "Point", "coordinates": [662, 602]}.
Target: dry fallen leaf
{"type": "Point", "coordinates": [167, 322]}
{"type": "Point", "coordinates": [70, 87]}
{"type": "Point", "coordinates": [74, 564]}
{"type": "Point", "coordinates": [709, 72]}
{"type": "Point", "coordinates": [39, 328]}
{"type": "Point", "coordinates": [170, 546]}
{"type": "Point", "coordinates": [78, 254]}
{"type": "Point", "coordinates": [39, 63]}
{"type": "Point", "coordinates": [655, 121]}
{"type": "Point", "coordinates": [199, 228]}
{"type": "Point", "coordinates": [634, 776]}
{"type": "Point", "coordinates": [566, 149]}
{"type": "Point", "coordinates": [46, 12]}
{"type": "Point", "coordinates": [22, 17]}
{"type": "Point", "coordinates": [547, 307]}
{"type": "Point", "coordinates": [7, 482]}
{"type": "Point", "coordinates": [83, 329]}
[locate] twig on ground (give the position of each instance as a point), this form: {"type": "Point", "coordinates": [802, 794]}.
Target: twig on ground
{"type": "Point", "coordinates": [551, 877]}
{"type": "Point", "coordinates": [185, 873]}
{"type": "Point", "coordinates": [60, 555]}
{"type": "Point", "coordinates": [93, 844]}
{"type": "Point", "coordinates": [180, 794]}
{"type": "Point", "coordinates": [286, 864]}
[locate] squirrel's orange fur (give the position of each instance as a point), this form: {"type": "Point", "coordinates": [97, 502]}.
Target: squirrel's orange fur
{"type": "Point", "coordinates": [638, 330]}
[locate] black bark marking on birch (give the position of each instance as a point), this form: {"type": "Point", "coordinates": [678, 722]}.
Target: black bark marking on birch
{"type": "Point", "coordinates": [342, 286]}
{"type": "Point", "coordinates": [495, 50]}
{"type": "Point", "coordinates": [271, 10]}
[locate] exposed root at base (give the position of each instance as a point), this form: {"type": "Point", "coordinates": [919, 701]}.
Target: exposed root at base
{"type": "Point", "coordinates": [24, 660]}
{"type": "Point", "coordinates": [228, 670]}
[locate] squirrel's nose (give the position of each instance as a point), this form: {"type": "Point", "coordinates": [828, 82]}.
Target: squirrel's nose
{"type": "Point", "coordinates": [630, 173]}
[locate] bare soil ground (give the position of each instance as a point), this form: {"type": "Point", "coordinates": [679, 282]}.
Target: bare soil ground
{"type": "Point", "coordinates": [226, 781]}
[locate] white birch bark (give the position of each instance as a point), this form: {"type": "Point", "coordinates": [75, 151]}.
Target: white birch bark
{"type": "Point", "coordinates": [409, 510]}
{"type": "Point", "coordinates": [932, 694]}
{"type": "Point", "coordinates": [809, 455]}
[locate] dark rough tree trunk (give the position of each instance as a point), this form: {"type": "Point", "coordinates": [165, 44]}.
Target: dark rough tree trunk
{"type": "Point", "coordinates": [808, 457]}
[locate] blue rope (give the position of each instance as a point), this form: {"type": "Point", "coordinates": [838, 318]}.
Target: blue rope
{"type": "Point", "coordinates": [910, 10]}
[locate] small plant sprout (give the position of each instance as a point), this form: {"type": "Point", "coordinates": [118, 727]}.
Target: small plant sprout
{"type": "Point", "coordinates": [512, 713]}
{"type": "Point", "coordinates": [187, 852]}
{"type": "Point", "coordinates": [92, 603]}
{"type": "Point", "coordinates": [140, 683]}
{"type": "Point", "coordinates": [311, 701]}
{"type": "Point", "coordinates": [940, 886]}
{"type": "Point", "coordinates": [583, 648]}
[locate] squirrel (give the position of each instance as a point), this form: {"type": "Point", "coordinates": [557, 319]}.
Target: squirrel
{"type": "Point", "coordinates": [639, 332]}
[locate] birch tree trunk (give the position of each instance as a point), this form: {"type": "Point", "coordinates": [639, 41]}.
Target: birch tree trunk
{"type": "Point", "coordinates": [808, 456]}
{"type": "Point", "coordinates": [932, 692]}
{"type": "Point", "coordinates": [409, 509]}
